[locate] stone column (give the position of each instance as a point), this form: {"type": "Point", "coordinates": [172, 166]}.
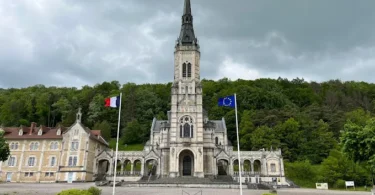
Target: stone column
{"type": "Point", "coordinates": [122, 167]}
{"type": "Point", "coordinates": [242, 168]}
{"type": "Point", "coordinates": [282, 167]}
{"type": "Point", "coordinates": [252, 167]}
{"type": "Point", "coordinates": [111, 167]}
{"type": "Point", "coordinates": [230, 164]}
{"type": "Point", "coordinates": [132, 167]}
{"type": "Point", "coordinates": [143, 167]}
{"type": "Point", "coordinates": [158, 167]}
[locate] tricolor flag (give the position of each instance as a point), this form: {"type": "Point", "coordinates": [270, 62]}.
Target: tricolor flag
{"type": "Point", "coordinates": [113, 102]}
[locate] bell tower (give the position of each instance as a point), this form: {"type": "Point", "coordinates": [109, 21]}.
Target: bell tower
{"type": "Point", "coordinates": [186, 133]}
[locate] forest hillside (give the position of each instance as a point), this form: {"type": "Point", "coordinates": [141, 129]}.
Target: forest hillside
{"type": "Point", "coordinates": [315, 124]}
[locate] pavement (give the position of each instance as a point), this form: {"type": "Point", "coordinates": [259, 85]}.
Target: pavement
{"type": "Point", "coordinates": [54, 188]}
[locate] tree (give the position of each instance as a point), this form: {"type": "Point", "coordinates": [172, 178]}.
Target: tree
{"type": "Point", "coordinates": [358, 142]}
{"type": "Point", "coordinates": [4, 148]}
{"type": "Point", "coordinates": [246, 128]}
{"type": "Point", "coordinates": [132, 133]}
{"type": "Point", "coordinates": [105, 128]}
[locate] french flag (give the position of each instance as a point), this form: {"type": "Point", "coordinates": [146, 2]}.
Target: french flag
{"type": "Point", "coordinates": [113, 102]}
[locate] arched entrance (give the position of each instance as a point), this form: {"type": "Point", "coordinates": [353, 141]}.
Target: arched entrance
{"type": "Point", "coordinates": [103, 166]}
{"type": "Point", "coordinates": [222, 167]}
{"type": "Point", "coordinates": [150, 167]}
{"type": "Point", "coordinates": [102, 169]}
{"type": "Point", "coordinates": [186, 161]}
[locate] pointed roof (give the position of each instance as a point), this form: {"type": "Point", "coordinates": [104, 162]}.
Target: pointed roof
{"type": "Point", "coordinates": [187, 7]}
{"type": "Point", "coordinates": [187, 35]}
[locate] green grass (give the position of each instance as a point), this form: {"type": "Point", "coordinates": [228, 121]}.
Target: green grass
{"type": "Point", "coordinates": [357, 188]}
{"type": "Point", "coordinates": [121, 147]}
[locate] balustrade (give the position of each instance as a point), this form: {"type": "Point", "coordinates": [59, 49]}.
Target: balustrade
{"type": "Point", "coordinates": [127, 173]}
{"type": "Point", "coordinates": [247, 173]}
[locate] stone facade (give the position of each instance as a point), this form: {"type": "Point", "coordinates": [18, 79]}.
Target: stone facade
{"type": "Point", "coordinates": [189, 143]}
{"type": "Point", "coordinates": [45, 154]}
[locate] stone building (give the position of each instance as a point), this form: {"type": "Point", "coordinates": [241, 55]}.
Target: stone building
{"type": "Point", "coordinates": [46, 154]}
{"type": "Point", "coordinates": [189, 143]}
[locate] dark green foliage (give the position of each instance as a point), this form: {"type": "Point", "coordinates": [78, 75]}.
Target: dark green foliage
{"type": "Point", "coordinates": [304, 119]}
{"type": "Point", "coordinates": [132, 133]}
{"type": "Point", "coordinates": [95, 191]}
{"type": "Point", "coordinates": [302, 173]}
{"type": "Point", "coordinates": [105, 128]}
{"type": "Point", "coordinates": [4, 148]}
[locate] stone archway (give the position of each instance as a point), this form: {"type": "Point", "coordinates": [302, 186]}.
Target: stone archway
{"type": "Point", "coordinates": [186, 162]}
{"type": "Point", "coordinates": [103, 166]}
{"type": "Point", "coordinates": [150, 167]}
{"type": "Point", "coordinates": [222, 167]}
{"type": "Point", "coordinates": [102, 169]}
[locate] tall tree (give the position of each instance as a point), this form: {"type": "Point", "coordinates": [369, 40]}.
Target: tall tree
{"type": "Point", "coordinates": [105, 129]}
{"type": "Point", "coordinates": [4, 148]}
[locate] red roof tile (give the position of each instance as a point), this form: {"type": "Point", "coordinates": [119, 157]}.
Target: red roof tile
{"type": "Point", "coordinates": [48, 133]}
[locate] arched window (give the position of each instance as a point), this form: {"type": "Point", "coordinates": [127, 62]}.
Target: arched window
{"type": "Point", "coordinates": [34, 146]}
{"type": "Point", "coordinates": [184, 70]}
{"type": "Point", "coordinates": [54, 146]}
{"type": "Point", "coordinates": [216, 140]}
{"type": "Point", "coordinates": [186, 127]}
{"type": "Point", "coordinates": [187, 130]}
{"type": "Point", "coordinates": [189, 70]}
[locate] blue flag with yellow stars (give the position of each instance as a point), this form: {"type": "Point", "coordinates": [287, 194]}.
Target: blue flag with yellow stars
{"type": "Point", "coordinates": [227, 101]}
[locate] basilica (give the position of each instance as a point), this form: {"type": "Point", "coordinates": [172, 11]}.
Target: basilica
{"type": "Point", "coordinates": [189, 143]}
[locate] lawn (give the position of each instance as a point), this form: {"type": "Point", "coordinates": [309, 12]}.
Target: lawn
{"type": "Point", "coordinates": [121, 147]}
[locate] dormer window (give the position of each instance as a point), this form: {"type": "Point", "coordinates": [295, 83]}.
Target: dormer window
{"type": "Point", "coordinates": [40, 132]}
{"type": "Point", "coordinates": [20, 132]}
{"type": "Point", "coordinates": [58, 132]}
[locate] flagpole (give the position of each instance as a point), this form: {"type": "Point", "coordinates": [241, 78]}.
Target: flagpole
{"type": "Point", "coordinates": [238, 146]}
{"type": "Point", "coordinates": [118, 132]}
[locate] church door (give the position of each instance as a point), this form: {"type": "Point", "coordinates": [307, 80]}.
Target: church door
{"type": "Point", "coordinates": [186, 164]}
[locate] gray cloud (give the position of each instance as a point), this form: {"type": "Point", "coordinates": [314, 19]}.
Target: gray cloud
{"type": "Point", "coordinates": [74, 43]}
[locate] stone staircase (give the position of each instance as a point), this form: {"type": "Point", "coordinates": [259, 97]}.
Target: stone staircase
{"type": "Point", "coordinates": [222, 179]}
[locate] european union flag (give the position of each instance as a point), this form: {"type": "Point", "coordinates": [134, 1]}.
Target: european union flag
{"type": "Point", "coordinates": [228, 101]}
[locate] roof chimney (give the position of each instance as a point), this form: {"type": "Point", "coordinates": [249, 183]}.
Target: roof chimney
{"type": "Point", "coordinates": [33, 125]}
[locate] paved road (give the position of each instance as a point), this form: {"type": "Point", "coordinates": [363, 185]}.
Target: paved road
{"type": "Point", "coordinates": [52, 189]}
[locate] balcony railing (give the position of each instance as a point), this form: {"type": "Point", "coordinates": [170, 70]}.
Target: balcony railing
{"type": "Point", "coordinates": [127, 174]}
{"type": "Point", "coordinates": [247, 173]}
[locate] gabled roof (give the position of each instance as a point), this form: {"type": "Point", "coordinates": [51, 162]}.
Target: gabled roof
{"type": "Point", "coordinates": [94, 134]}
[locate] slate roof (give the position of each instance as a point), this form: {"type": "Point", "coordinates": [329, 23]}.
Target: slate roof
{"type": "Point", "coordinates": [187, 35]}
{"type": "Point", "coordinates": [158, 124]}
{"type": "Point", "coordinates": [219, 125]}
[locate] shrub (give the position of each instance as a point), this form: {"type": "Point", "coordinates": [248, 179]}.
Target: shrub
{"type": "Point", "coordinates": [339, 184]}
{"type": "Point", "coordinates": [95, 191]}
{"type": "Point", "coordinates": [74, 192]}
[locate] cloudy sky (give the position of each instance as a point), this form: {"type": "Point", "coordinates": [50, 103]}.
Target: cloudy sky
{"type": "Point", "coordinates": [84, 42]}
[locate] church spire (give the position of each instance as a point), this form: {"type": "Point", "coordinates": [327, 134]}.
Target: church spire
{"type": "Point", "coordinates": [187, 7]}
{"type": "Point", "coordinates": [187, 35]}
